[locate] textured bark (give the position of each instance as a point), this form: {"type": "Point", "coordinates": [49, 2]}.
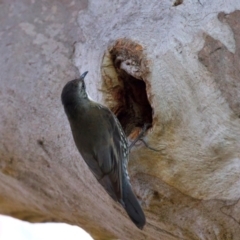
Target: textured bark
{"type": "Point", "coordinates": [184, 54]}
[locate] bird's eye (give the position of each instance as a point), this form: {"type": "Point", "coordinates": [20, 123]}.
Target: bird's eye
{"type": "Point", "coordinates": [83, 85]}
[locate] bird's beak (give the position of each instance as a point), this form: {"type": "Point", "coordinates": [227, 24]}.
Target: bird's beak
{"type": "Point", "coordinates": [83, 75]}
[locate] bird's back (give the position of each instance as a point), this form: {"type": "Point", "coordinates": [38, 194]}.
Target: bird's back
{"type": "Point", "coordinates": [95, 129]}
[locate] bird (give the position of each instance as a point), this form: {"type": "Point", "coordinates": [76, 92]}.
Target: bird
{"type": "Point", "coordinates": [103, 145]}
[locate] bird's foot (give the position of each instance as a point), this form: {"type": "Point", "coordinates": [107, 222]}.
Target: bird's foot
{"type": "Point", "coordinates": [140, 138]}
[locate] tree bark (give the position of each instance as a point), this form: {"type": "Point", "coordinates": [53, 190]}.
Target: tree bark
{"type": "Point", "coordinates": [173, 65]}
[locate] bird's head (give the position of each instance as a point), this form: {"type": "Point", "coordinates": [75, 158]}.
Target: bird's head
{"type": "Point", "coordinates": [74, 90]}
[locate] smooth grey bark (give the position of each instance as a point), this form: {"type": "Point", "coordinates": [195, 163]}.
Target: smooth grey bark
{"type": "Point", "coordinates": [190, 189]}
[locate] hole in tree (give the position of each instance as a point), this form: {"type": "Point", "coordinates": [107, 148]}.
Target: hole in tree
{"type": "Point", "coordinates": [177, 2]}
{"type": "Point", "coordinates": [124, 70]}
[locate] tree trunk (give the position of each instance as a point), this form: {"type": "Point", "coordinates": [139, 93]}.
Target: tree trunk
{"type": "Point", "coordinates": [172, 65]}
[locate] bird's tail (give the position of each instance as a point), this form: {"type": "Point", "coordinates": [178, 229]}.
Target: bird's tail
{"type": "Point", "coordinates": [132, 206]}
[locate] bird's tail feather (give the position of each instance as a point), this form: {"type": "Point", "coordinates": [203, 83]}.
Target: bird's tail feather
{"type": "Point", "coordinates": [132, 207]}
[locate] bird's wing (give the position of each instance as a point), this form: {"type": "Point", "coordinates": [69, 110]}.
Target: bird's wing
{"type": "Point", "coordinates": [114, 152]}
